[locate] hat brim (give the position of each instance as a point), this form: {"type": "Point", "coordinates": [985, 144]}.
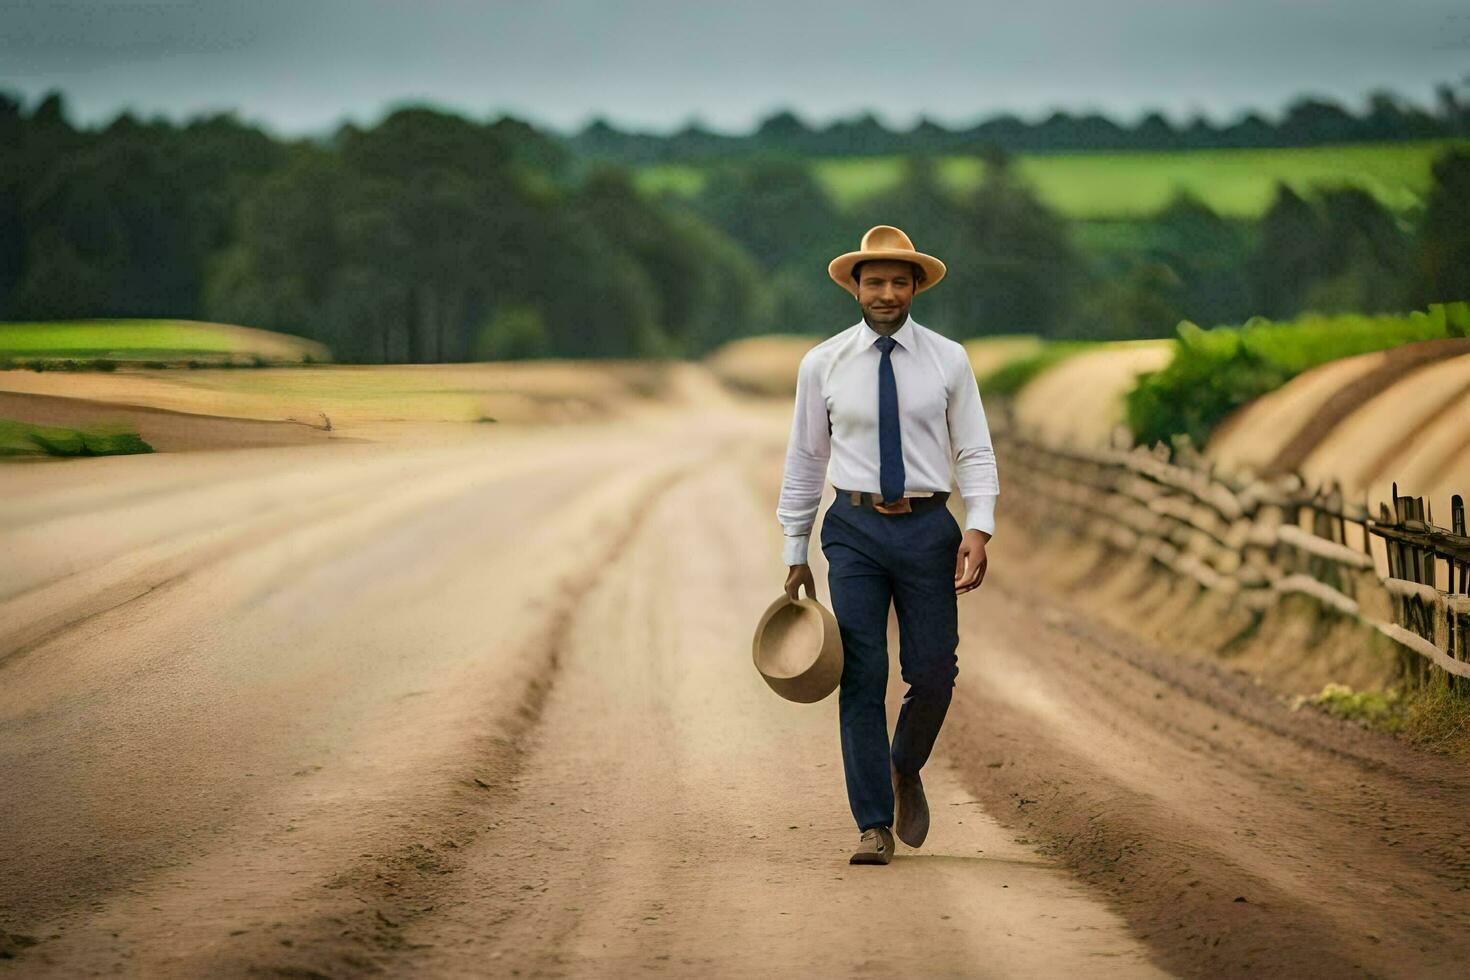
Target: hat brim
{"type": "Point", "coordinates": [785, 656]}
{"type": "Point", "coordinates": [840, 268]}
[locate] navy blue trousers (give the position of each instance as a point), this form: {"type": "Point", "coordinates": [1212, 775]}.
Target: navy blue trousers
{"type": "Point", "coordinates": [907, 560]}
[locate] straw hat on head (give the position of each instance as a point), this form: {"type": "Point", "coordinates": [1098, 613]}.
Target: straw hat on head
{"type": "Point", "coordinates": [885, 242]}
{"type": "Point", "coordinates": [798, 649]}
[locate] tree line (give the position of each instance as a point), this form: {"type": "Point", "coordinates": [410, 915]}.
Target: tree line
{"type": "Point", "coordinates": [429, 237]}
{"type": "Point", "coordinates": [1336, 249]}
{"type": "Point", "coordinates": [1014, 265]}
{"type": "Point", "coordinates": [1307, 121]}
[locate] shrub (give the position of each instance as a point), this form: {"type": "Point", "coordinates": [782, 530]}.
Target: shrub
{"type": "Point", "coordinates": [58, 441]}
{"type": "Point", "coordinates": [19, 437]}
{"type": "Point", "coordinates": [1214, 372]}
{"type": "Point", "coordinates": [114, 443]}
{"type": "Point", "coordinates": [512, 333]}
{"type": "Point", "coordinates": [1375, 709]}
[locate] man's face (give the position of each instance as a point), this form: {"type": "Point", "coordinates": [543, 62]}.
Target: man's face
{"type": "Point", "coordinates": [885, 290]}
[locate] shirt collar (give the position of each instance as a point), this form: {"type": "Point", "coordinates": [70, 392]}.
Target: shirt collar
{"type": "Point", "coordinates": [904, 334]}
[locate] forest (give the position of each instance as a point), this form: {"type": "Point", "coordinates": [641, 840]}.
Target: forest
{"type": "Point", "coordinates": [432, 237]}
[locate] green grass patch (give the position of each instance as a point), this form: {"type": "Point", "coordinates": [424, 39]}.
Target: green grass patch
{"type": "Point", "coordinates": [29, 439]}
{"type": "Point", "coordinates": [1433, 716]}
{"type": "Point", "coordinates": [1438, 718]}
{"type": "Point", "coordinates": [1372, 709]}
{"type": "Point", "coordinates": [103, 344]}
{"type": "Point", "coordinates": [1238, 183]}
{"type": "Point", "coordinates": [1117, 237]}
{"type": "Point", "coordinates": [1214, 372]}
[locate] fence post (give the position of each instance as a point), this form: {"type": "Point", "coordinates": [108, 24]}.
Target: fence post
{"type": "Point", "coordinates": [1459, 625]}
{"type": "Point", "coordinates": [1457, 525]}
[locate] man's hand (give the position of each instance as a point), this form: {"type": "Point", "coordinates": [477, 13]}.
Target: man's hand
{"type": "Point", "coordinates": [970, 562]}
{"type": "Point", "coordinates": [796, 577]}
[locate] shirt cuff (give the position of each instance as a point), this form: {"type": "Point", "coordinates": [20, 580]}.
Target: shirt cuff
{"type": "Point", "coordinates": [980, 512]}
{"type": "Point", "coordinates": [795, 549]}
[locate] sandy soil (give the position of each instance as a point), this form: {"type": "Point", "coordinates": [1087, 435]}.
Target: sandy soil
{"type": "Point", "coordinates": [1397, 416]}
{"type": "Point", "coordinates": [763, 365]}
{"type": "Point", "coordinates": [164, 430]}
{"type": "Point", "coordinates": [457, 709]}
{"type": "Point", "coordinates": [1079, 402]}
{"type": "Point", "coordinates": [1414, 432]}
{"type": "Point", "coordinates": [1256, 435]}
{"type": "Point", "coordinates": [1404, 368]}
{"type": "Point", "coordinates": [482, 705]}
{"type": "Point", "coordinates": [367, 400]}
{"type": "Point", "coordinates": [1238, 836]}
{"type": "Point", "coordinates": [990, 354]}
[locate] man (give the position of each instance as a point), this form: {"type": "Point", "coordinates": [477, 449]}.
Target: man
{"type": "Point", "coordinates": [885, 407]}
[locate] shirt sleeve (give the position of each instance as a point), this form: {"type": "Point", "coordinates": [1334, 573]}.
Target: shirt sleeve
{"type": "Point", "coordinates": [807, 453]}
{"type": "Point", "coordinates": [974, 455]}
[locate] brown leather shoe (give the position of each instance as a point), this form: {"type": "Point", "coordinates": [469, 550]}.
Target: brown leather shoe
{"type": "Point", "coordinates": [875, 847]}
{"type": "Point", "coordinates": [912, 824]}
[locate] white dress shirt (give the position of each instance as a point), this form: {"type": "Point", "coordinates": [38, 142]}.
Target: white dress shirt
{"type": "Point", "coordinates": [834, 433]}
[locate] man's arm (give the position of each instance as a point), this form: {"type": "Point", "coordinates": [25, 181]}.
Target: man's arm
{"type": "Point", "coordinates": [807, 453]}
{"type": "Point", "coordinates": [974, 455]}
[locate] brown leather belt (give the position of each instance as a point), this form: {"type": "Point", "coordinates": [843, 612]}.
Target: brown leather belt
{"type": "Point", "coordinates": [904, 505]}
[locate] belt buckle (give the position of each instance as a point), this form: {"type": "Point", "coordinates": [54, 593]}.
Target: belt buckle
{"type": "Point", "coordinates": [903, 505]}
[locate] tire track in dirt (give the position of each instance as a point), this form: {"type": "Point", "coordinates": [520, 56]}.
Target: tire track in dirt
{"type": "Point", "coordinates": [210, 871]}
{"type": "Point", "coordinates": [380, 898]}
{"type": "Point", "coordinates": [673, 816]}
{"type": "Point", "coordinates": [46, 609]}
{"type": "Point", "coordinates": [1237, 836]}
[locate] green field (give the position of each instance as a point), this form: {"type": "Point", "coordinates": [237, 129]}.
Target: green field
{"type": "Point", "coordinates": [167, 341]}
{"type": "Point", "coordinates": [1092, 186]}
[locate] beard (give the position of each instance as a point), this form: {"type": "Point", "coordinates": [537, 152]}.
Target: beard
{"type": "Point", "coordinates": [894, 315]}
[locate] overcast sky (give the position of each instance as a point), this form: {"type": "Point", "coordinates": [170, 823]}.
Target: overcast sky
{"type": "Point", "coordinates": [304, 65]}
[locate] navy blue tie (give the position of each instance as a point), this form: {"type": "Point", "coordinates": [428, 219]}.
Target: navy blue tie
{"type": "Point", "coordinates": [890, 444]}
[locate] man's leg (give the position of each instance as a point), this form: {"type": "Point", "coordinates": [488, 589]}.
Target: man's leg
{"type": "Point", "coordinates": [928, 634]}
{"type": "Point", "coordinates": [861, 595]}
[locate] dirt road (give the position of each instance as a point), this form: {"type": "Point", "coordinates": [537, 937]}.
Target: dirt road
{"type": "Point", "coordinates": [484, 707]}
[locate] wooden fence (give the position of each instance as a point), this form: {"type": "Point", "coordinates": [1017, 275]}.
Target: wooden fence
{"type": "Point", "coordinates": [1261, 540]}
